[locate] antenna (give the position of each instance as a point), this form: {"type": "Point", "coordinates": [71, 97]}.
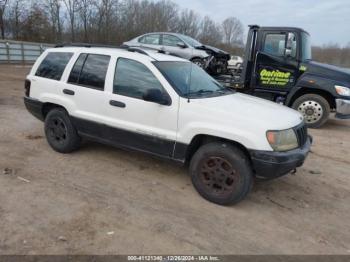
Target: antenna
{"type": "Point", "coordinates": [189, 85]}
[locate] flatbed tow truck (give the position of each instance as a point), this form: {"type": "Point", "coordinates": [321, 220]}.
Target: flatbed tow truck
{"type": "Point", "coordinates": [278, 67]}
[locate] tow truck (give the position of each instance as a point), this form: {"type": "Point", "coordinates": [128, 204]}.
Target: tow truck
{"type": "Point", "coordinates": [278, 66]}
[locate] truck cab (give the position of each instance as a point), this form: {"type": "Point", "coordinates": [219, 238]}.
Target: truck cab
{"type": "Point", "coordinates": [278, 66]}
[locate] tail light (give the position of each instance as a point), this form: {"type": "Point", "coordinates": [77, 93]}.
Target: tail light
{"type": "Point", "coordinates": [27, 87]}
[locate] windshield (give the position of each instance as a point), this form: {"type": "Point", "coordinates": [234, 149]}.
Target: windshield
{"type": "Point", "coordinates": [189, 40]}
{"type": "Point", "coordinates": [306, 46]}
{"type": "Point", "coordinates": [189, 80]}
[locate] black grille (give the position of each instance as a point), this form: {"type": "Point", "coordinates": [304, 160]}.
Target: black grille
{"type": "Point", "coordinates": [301, 132]}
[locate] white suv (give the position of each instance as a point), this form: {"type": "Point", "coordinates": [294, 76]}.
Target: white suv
{"type": "Point", "coordinates": [169, 107]}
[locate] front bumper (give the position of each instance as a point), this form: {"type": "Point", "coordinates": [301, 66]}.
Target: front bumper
{"type": "Point", "coordinates": [272, 164]}
{"type": "Point", "coordinates": [343, 108]}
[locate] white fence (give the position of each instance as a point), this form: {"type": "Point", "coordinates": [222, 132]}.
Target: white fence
{"type": "Point", "coordinates": [20, 52]}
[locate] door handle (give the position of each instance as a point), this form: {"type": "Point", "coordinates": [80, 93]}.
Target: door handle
{"type": "Point", "coordinates": [68, 92]}
{"type": "Point", "coordinates": [117, 103]}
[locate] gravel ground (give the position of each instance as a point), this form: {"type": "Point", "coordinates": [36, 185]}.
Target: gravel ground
{"type": "Point", "coordinates": [102, 200]}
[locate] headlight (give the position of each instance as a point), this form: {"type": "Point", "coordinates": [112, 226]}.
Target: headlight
{"type": "Point", "coordinates": [282, 140]}
{"type": "Point", "coordinates": [342, 90]}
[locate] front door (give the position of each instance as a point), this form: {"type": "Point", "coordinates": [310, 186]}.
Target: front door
{"type": "Point", "coordinates": [151, 41]}
{"type": "Point", "coordinates": [170, 43]}
{"type": "Point", "coordinates": [275, 70]}
{"type": "Point", "coordinates": [136, 123]}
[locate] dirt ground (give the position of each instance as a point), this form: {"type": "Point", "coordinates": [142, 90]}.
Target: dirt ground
{"type": "Point", "coordinates": [102, 200]}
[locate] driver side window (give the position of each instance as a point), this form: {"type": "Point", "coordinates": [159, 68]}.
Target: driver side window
{"type": "Point", "coordinates": [170, 40]}
{"type": "Point", "coordinates": [133, 79]}
{"type": "Point", "coordinates": [275, 44]}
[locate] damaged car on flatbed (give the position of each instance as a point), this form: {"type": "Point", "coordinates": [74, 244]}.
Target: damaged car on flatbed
{"type": "Point", "coordinates": [212, 59]}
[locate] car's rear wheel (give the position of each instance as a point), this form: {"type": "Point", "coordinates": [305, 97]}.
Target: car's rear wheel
{"type": "Point", "coordinates": [60, 132]}
{"type": "Point", "coordinates": [221, 173]}
{"type": "Point", "coordinates": [314, 108]}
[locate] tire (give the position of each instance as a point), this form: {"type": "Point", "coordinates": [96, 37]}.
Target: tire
{"type": "Point", "coordinates": [199, 62]}
{"type": "Point", "coordinates": [314, 108]}
{"type": "Point", "coordinates": [207, 170]}
{"type": "Point", "coordinates": [60, 132]}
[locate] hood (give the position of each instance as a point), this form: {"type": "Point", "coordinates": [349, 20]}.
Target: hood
{"type": "Point", "coordinates": [215, 51]}
{"type": "Point", "coordinates": [328, 71]}
{"type": "Point", "coordinates": [240, 109]}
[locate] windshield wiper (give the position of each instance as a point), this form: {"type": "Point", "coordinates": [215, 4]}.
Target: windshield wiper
{"type": "Point", "coordinates": [200, 92]}
{"type": "Point", "coordinates": [205, 91]}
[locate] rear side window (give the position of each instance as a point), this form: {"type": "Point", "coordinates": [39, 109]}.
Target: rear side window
{"type": "Point", "coordinates": [90, 70]}
{"type": "Point", "coordinates": [133, 79]}
{"type": "Point", "coordinates": [53, 65]}
{"type": "Point", "coordinates": [150, 39]}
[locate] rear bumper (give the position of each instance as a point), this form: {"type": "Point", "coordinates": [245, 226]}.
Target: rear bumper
{"type": "Point", "coordinates": [272, 164]}
{"type": "Point", "coordinates": [34, 107]}
{"type": "Point", "coordinates": [343, 108]}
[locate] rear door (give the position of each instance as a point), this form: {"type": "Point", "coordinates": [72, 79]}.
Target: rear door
{"type": "Point", "coordinates": [85, 85]}
{"type": "Point", "coordinates": [275, 71]}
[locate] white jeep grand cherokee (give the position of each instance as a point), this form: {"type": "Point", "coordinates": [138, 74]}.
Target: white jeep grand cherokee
{"type": "Point", "coordinates": [168, 107]}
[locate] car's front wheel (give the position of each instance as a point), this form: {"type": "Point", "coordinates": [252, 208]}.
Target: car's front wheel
{"type": "Point", "coordinates": [199, 62]}
{"type": "Point", "coordinates": [60, 132]}
{"type": "Point", "coordinates": [221, 173]}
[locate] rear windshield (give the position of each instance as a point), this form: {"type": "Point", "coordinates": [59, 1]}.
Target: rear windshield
{"type": "Point", "coordinates": [53, 65]}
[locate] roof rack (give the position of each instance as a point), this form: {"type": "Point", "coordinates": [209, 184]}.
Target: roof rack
{"type": "Point", "coordinates": [123, 47]}
{"type": "Point", "coordinates": [87, 45]}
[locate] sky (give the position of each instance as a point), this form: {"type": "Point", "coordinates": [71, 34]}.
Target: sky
{"type": "Point", "coordinates": [327, 21]}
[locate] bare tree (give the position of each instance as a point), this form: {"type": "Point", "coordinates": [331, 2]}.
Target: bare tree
{"type": "Point", "coordinates": [54, 10]}
{"type": "Point", "coordinates": [165, 15]}
{"type": "Point", "coordinates": [85, 13]}
{"type": "Point", "coordinates": [107, 11]}
{"type": "Point", "coordinates": [188, 23]}
{"type": "Point", "coordinates": [233, 31]}
{"type": "Point", "coordinates": [35, 24]}
{"type": "Point", "coordinates": [210, 32]}
{"type": "Point", "coordinates": [72, 7]}
{"type": "Point", "coordinates": [16, 12]}
{"type": "Point", "coordinates": [332, 54]}
{"type": "Point", "coordinates": [3, 5]}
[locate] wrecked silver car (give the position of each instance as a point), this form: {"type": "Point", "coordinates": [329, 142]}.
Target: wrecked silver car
{"type": "Point", "coordinates": [212, 59]}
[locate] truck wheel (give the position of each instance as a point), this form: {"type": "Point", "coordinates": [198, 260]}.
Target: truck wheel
{"type": "Point", "coordinates": [314, 108]}
{"type": "Point", "coordinates": [60, 132]}
{"type": "Point", "coordinates": [221, 173]}
{"type": "Point", "coordinates": [199, 62]}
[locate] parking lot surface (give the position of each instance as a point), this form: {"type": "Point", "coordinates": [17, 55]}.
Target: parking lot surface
{"type": "Point", "coordinates": [102, 200]}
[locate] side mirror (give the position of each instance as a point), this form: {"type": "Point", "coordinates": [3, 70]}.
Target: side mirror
{"type": "Point", "coordinates": [288, 52]}
{"type": "Point", "coordinates": [156, 96]}
{"type": "Point", "coordinates": [289, 44]}
{"type": "Point", "coordinates": [181, 44]}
